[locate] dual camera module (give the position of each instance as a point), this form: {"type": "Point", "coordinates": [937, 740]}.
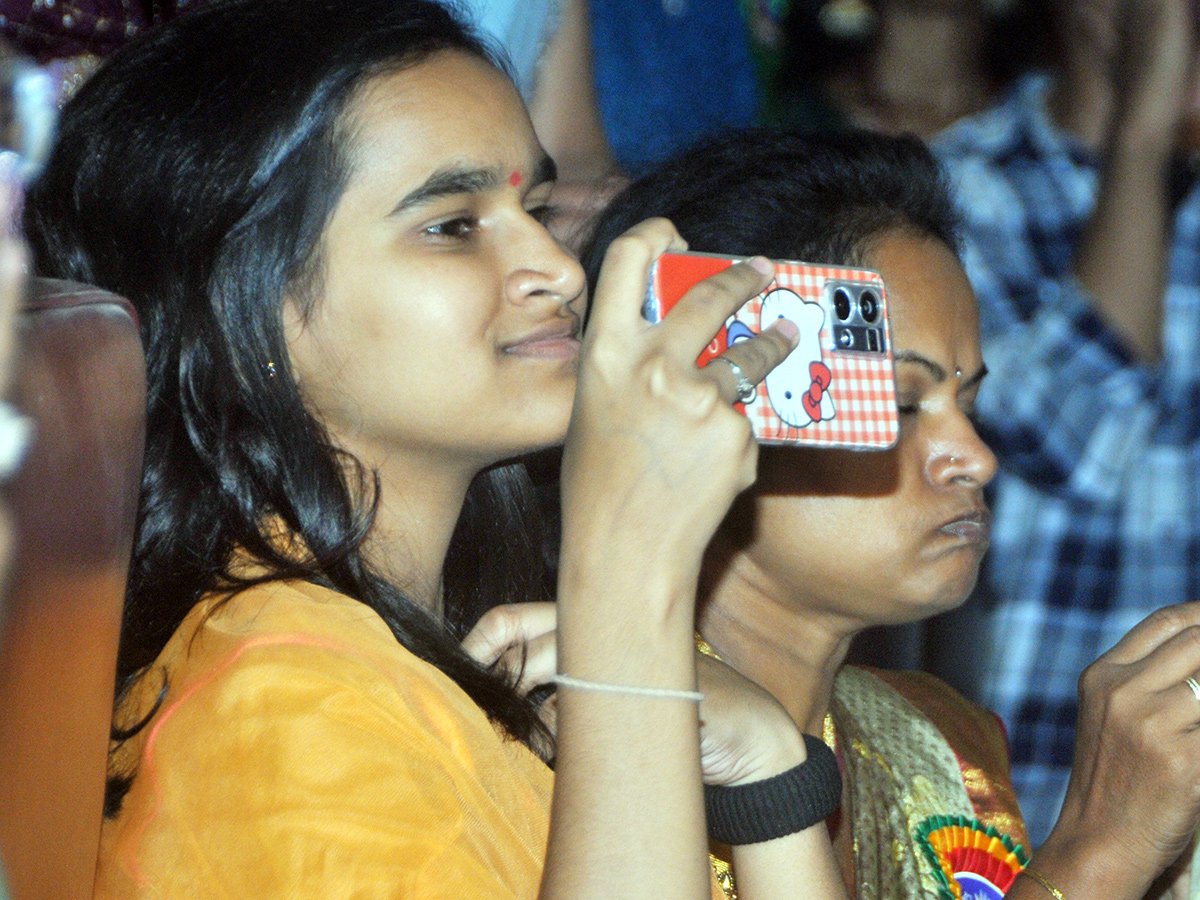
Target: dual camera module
{"type": "Point", "coordinates": [858, 324]}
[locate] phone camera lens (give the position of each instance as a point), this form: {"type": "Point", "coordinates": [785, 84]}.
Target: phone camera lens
{"type": "Point", "coordinates": [845, 338]}
{"type": "Point", "coordinates": [841, 304]}
{"type": "Point", "coordinates": [868, 306]}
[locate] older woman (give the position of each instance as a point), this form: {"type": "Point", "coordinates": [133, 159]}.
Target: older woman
{"type": "Point", "coordinates": [829, 542]}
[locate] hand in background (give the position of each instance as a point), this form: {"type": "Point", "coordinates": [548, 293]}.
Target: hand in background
{"type": "Point", "coordinates": [1137, 762]}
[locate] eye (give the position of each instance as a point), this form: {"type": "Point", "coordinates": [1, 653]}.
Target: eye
{"type": "Point", "coordinates": [908, 400]}
{"type": "Point", "coordinates": [457, 228]}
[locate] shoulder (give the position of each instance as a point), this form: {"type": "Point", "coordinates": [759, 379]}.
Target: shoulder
{"type": "Point", "coordinates": [287, 657]}
{"type": "Point", "coordinates": [294, 720]}
{"type": "Point", "coordinates": [966, 725]}
{"type": "Point", "coordinates": [1020, 118]}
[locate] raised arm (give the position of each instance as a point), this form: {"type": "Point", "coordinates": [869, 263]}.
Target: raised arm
{"type": "Point", "coordinates": [654, 457]}
{"type": "Point", "coordinates": [1071, 264]}
{"type": "Point", "coordinates": [1121, 260]}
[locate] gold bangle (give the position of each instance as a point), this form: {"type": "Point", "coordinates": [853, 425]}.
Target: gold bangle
{"type": "Point", "coordinates": [1044, 882]}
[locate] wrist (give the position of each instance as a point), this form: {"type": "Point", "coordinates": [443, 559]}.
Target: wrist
{"type": "Point", "coordinates": [1089, 867]}
{"type": "Point", "coordinates": [775, 807]}
{"type": "Point", "coordinates": [774, 753]}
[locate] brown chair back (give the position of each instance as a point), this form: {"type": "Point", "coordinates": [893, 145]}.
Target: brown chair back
{"type": "Point", "coordinates": [80, 376]}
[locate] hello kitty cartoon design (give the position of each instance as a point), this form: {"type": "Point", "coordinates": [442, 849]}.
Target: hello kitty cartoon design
{"type": "Point", "coordinates": [797, 387]}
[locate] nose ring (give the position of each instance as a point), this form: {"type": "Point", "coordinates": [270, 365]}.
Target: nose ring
{"type": "Point", "coordinates": [954, 460]}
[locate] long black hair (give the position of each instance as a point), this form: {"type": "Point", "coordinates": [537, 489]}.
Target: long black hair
{"type": "Point", "coordinates": [789, 195]}
{"type": "Point", "coordinates": [195, 174]}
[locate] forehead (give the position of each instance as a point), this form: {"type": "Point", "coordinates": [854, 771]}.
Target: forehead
{"type": "Point", "coordinates": [451, 108]}
{"type": "Point", "coordinates": [931, 304]}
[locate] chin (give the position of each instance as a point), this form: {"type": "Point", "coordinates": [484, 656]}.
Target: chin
{"type": "Point", "coordinates": [926, 601]}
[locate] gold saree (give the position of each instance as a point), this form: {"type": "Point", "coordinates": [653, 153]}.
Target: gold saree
{"type": "Point", "coordinates": [924, 772]}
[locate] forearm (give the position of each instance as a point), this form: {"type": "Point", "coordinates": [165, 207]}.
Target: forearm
{"type": "Point", "coordinates": [1122, 257]}
{"type": "Point", "coordinates": [564, 110]}
{"type": "Point", "coordinates": [800, 866]}
{"type": "Point", "coordinates": [628, 812]}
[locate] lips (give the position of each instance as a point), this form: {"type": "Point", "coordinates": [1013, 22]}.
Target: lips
{"type": "Point", "coordinates": [554, 340]}
{"type": "Point", "coordinates": [973, 526]}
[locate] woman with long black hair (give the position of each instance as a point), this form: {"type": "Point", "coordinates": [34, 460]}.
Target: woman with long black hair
{"type": "Point", "coordinates": [329, 217]}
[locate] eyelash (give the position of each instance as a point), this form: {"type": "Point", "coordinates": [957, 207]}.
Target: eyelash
{"type": "Point", "coordinates": [458, 228]}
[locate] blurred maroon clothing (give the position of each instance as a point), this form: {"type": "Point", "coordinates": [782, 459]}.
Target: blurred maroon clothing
{"type": "Point", "coordinates": [53, 29]}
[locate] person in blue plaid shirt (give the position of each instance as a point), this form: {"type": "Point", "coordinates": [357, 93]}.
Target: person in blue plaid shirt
{"type": "Point", "coordinates": [1083, 244]}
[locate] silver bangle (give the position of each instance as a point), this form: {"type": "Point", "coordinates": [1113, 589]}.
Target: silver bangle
{"type": "Point", "coordinates": [601, 687]}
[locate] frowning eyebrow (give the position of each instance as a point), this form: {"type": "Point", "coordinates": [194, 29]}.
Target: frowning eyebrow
{"type": "Point", "coordinates": [461, 180]}
{"type": "Point", "coordinates": [939, 374]}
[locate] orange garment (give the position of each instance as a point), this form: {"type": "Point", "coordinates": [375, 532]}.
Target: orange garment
{"type": "Point", "coordinates": [302, 752]}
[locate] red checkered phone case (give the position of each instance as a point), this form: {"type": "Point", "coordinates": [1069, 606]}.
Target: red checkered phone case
{"type": "Point", "coordinates": [837, 388]}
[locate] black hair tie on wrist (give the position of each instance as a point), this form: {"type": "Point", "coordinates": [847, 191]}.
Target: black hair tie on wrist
{"type": "Point", "coordinates": [778, 806]}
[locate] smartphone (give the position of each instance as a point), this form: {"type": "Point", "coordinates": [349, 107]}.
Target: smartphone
{"type": "Point", "coordinates": [838, 387]}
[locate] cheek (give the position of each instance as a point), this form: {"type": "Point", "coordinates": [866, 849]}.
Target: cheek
{"type": "Point", "coordinates": [828, 542]}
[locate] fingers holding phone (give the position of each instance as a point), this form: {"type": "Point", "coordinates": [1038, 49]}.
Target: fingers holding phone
{"type": "Point", "coordinates": [836, 384]}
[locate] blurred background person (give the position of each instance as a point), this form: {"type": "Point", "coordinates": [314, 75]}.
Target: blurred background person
{"type": "Point", "coordinates": [901, 65]}
{"type": "Point", "coordinates": [1083, 244]}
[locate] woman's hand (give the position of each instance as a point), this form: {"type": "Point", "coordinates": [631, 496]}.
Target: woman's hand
{"type": "Point", "coordinates": [655, 453]}
{"type": "Point", "coordinates": [1133, 802]}
{"type": "Point", "coordinates": [518, 638]}
{"type": "Point", "coordinates": [745, 734]}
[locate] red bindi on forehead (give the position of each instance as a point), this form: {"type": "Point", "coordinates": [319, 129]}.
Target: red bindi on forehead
{"type": "Point", "coordinates": [515, 179]}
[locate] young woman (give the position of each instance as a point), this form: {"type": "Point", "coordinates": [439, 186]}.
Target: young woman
{"type": "Point", "coordinates": [329, 216]}
{"type": "Point", "coordinates": [830, 542]}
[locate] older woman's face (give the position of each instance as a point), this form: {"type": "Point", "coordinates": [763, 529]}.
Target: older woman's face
{"type": "Point", "coordinates": [897, 535]}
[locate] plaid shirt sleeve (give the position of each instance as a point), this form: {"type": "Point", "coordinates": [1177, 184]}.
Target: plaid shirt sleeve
{"type": "Point", "coordinates": [1064, 405]}
{"type": "Point", "coordinates": [1097, 503]}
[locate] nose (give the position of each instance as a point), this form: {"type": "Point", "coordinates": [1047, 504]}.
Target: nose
{"type": "Point", "coordinates": [543, 270]}
{"type": "Point", "coordinates": [961, 458]}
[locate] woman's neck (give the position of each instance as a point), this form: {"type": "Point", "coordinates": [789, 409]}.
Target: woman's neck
{"type": "Point", "coordinates": [774, 639]}
{"type": "Point", "coordinates": [420, 504]}
{"type": "Point", "coordinates": [926, 71]}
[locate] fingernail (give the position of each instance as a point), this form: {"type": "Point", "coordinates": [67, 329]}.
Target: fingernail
{"type": "Point", "coordinates": [788, 329]}
{"type": "Point", "coordinates": [761, 264]}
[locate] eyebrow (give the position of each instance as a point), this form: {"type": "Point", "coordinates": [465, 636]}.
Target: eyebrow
{"type": "Point", "coordinates": [938, 373]}
{"type": "Point", "coordinates": [462, 180]}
